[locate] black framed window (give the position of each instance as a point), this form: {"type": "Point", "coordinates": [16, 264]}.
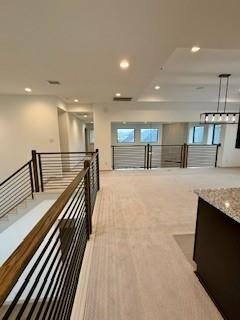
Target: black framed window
{"type": "Point", "coordinates": [149, 135]}
{"type": "Point", "coordinates": [237, 145]}
{"type": "Point", "coordinates": [216, 134]}
{"type": "Point", "coordinates": [125, 135]}
{"type": "Point", "coordinates": [198, 134]}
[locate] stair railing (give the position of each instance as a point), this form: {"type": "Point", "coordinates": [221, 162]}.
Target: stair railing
{"type": "Point", "coordinates": [39, 280]}
{"type": "Point", "coordinates": [16, 189]}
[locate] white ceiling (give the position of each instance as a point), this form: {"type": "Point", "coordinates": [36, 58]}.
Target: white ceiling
{"type": "Point", "coordinates": [194, 77]}
{"type": "Point", "coordinates": [86, 117]}
{"type": "Point", "coordinates": [80, 43]}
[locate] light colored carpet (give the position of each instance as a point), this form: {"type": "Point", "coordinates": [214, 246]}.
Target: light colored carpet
{"type": "Point", "coordinates": [186, 244]}
{"type": "Point", "coordinates": [138, 271]}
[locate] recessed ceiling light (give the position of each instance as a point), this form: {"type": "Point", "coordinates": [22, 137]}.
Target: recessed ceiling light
{"type": "Point", "coordinates": [195, 49]}
{"type": "Point", "coordinates": [124, 122]}
{"type": "Point", "coordinates": [118, 94]}
{"type": "Point", "coordinates": [124, 64]}
{"type": "Point", "coordinates": [28, 89]}
{"type": "Point", "coordinates": [91, 122]}
{"type": "Point", "coordinates": [85, 116]}
{"type": "Point", "coordinates": [157, 87]}
{"type": "Point", "coordinates": [76, 100]}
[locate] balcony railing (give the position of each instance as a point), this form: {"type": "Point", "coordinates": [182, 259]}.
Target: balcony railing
{"type": "Point", "coordinates": [164, 156]}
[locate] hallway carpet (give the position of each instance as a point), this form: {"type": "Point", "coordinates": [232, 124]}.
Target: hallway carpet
{"type": "Point", "coordinates": [138, 270]}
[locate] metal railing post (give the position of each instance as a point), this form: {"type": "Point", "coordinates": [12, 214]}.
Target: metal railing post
{"type": "Point", "coordinates": [145, 157]}
{"type": "Point", "coordinates": [185, 155]}
{"type": "Point", "coordinates": [216, 158]}
{"type": "Point", "coordinates": [40, 172]}
{"type": "Point", "coordinates": [35, 170]}
{"type": "Point", "coordinates": [88, 196]}
{"type": "Point", "coordinates": [113, 164]}
{"type": "Point", "coordinates": [97, 163]}
{"type": "Point", "coordinates": [31, 177]}
{"type": "Point", "coordinates": [148, 155]}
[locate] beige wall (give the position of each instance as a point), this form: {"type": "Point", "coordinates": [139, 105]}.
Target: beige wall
{"type": "Point", "coordinates": [26, 123]}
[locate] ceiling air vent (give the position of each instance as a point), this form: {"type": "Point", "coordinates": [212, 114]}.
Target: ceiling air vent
{"type": "Point", "coordinates": [55, 82]}
{"type": "Point", "coordinates": [122, 99]}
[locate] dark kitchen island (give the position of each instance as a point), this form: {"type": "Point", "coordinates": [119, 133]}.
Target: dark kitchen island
{"type": "Point", "coordinates": [217, 248]}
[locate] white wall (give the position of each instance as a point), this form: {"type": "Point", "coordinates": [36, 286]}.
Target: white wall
{"type": "Point", "coordinates": [175, 133]}
{"type": "Point", "coordinates": [90, 146]}
{"type": "Point", "coordinates": [104, 115]}
{"type": "Point", "coordinates": [102, 129]}
{"type": "Point", "coordinates": [63, 130]}
{"type": "Point", "coordinates": [26, 123]}
{"type": "Point", "coordinates": [71, 132]}
{"type": "Point", "coordinates": [229, 156]}
{"type": "Point", "coordinates": [76, 134]}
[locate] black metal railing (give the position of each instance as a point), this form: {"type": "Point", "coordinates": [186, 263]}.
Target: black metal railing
{"type": "Point", "coordinates": [39, 280]}
{"type": "Point", "coordinates": [129, 156]}
{"type": "Point", "coordinates": [202, 155]}
{"type": "Point", "coordinates": [58, 169]}
{"type": "Point", "coordinates": [94, 180]}
{"type": "Point", "coordinates": [164, 156]}
{"type": "Point", "coordinates": [46, 171]}
{"type": "Point", "coordinates": [16, 189]}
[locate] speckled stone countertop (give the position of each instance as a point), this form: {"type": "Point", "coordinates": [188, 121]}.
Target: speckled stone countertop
{"type": "Point", "coordinates": [226, 200]}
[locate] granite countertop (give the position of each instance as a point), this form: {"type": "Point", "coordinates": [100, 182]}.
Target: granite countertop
{"type": "Point", "coordinates": [227, 200]}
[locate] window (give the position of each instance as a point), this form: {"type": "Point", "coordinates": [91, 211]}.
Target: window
{"type": "Point", "coordinates": [149, 135]}
{"type": "Point", "coordinates": [91, 136]}
{"type": "Point", "coordinates": [216, 134]}
{"type": "Point", "coordinates": [198, 133]}
{"type": "Point", "coordinates": [125, 135]}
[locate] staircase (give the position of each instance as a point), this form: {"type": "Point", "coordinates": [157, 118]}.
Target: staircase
{"type": "Point", "coordinates": [24, 208]}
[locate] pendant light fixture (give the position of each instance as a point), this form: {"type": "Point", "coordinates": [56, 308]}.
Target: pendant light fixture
{"type": "Point", "coordinates": [221, 117]}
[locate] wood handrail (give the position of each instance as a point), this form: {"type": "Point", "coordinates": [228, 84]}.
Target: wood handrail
{"type": "Point", "coordinates": [13, 267]}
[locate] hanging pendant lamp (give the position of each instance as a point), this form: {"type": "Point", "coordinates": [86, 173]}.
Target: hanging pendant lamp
{"type": "Point", "coordinates": [221, 117]}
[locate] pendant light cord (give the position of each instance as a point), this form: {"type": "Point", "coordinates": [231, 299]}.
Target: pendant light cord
{"type": "Point", "coordinates": [226, 94]}
{"type": "Point", "coordinates": [219, 93]}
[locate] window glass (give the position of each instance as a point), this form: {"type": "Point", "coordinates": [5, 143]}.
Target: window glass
{"type": "Point", "coordinates": [198, 133]}
{"type": "Point", "coordinates": [149, 135]}
{"type": "Point", "coordinates": [217, 134]}
{"type": "Point", "coordinates": [125, 135]}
